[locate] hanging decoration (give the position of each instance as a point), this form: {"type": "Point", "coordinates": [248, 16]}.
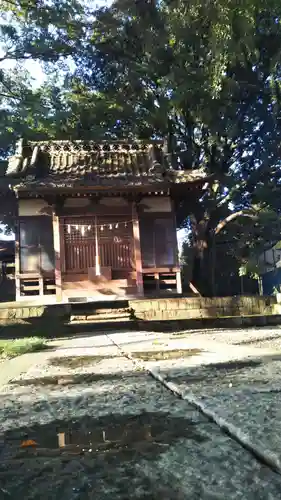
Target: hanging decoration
{"type": "Point", "coordinates": [83, 229]}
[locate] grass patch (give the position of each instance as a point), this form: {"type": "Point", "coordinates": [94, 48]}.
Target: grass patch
{"type": "Point", "coordinates": [16, 347]}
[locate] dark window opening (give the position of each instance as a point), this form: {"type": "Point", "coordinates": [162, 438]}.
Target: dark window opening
{"type": "Point", "coordinates": [158, 242]}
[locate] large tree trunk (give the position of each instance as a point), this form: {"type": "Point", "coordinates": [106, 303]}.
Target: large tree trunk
{"type": "Point", "coordinates": [201, 249]}
{"type": "Point", "coordinates": [204, 247]}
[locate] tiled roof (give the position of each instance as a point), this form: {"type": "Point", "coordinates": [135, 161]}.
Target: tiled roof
{"type": "Point", "coordinates": [67, 164]}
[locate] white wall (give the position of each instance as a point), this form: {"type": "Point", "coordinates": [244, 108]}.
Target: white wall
{"type": "Point", "coordinates": [154, 204]}
{"type": "Point", "coordinates": [29, 208]}
{"type": "Point", "coordinates": [76, 202]}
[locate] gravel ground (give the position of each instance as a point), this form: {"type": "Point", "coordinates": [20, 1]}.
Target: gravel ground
{"type": "Point", "coordinates": [127, 436]}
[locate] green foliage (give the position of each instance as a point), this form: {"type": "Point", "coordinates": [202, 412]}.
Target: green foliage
{"type": "Point", "coordinates": [45, 30]}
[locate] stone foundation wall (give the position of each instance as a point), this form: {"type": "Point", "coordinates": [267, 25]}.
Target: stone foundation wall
{"type": "Point", "coordinates": [164, 309]}
{"type": "Point", "coordinates": [18, 311]}
{"type": "Point", "coordinates": [201, 308]}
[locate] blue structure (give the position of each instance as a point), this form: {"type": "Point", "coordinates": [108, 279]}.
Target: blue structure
{"type": "Point", "coordinates": [271, 281]}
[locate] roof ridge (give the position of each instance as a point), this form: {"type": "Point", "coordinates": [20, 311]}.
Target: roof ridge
{"type": "Point", "coordinates": [104, 141]}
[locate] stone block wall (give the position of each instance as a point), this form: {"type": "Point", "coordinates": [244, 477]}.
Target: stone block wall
{"type": "Point", "coordinates": [200, 307]}
{"type": "Point", "coordinates": [162, 309]}
{"type": "Point", "coordinates": [19, 312]}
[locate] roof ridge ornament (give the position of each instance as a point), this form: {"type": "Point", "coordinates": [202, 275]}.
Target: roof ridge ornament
{"type": "Point", "coordinates": [56, 147]}
{"type": "Point", "coordinates": [15, 162]}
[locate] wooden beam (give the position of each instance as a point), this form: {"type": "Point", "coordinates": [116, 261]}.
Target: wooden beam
{"type": "Point", "coordinates": [57, 250]}
{"type": "Point", "coordinates": [36, 275]}
{"type": "Point", "coordinates": [94, 209]}
{"type": "Point", "coordinates": [163, 270]}
{"type": "Point", "coordinates": [137, 249]}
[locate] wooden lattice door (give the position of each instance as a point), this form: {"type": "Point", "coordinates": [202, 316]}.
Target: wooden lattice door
{"type": "Point", "coordinates": [79, 244]}
{"type": "Point", "coordinates": [106, 240]}
{"type": "Point", "coordinates": [115, 242]}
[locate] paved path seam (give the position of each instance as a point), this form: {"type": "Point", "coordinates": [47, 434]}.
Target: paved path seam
{"type": "Point", "coordinates": [262, 455]}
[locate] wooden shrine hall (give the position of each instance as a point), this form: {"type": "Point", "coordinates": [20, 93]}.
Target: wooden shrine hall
{"type": "Point", "coordinates": [96, 221]}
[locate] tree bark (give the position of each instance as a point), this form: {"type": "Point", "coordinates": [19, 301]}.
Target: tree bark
{"type": "Point", "coordinates": [200, 274]}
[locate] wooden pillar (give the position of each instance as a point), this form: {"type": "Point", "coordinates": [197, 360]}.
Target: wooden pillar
{"type": "Point", "coordinates": [137, 249]}
{"type": "Point", "coordinates": [62, 245]}
{"type": "Point", "coordinates": [97, 256]}
{"type": "Point", "coordinates": [176, 251]}
{"type": "Point", "coordinates": [57, 250]}
{"type": "Point", "coordinates": [17, 260]}
{"type": "Point", "coordinates": [61, 439]}
{"type": "Point", "coordinates": [179, 284]}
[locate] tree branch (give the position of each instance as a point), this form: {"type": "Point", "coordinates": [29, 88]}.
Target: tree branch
{"type": "Point", "coordinates": [7, 96]}
{"type": "Point", "coordinates": [229, 218]}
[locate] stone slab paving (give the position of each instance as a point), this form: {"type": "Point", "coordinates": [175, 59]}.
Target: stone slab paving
{"type": "Point", "coordinates": [131, 438]}
{"type": "Point", "coordinates": [237, 375]}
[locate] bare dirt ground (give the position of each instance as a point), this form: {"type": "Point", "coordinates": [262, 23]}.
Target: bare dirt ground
{"type": "Point", "coordinates": [85, 422]}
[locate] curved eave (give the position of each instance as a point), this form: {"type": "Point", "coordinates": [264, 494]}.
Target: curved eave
{"type": "Point", "coordinates": [177, 186]}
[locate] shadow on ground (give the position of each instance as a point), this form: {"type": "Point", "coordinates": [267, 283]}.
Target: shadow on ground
{"type": "Point", "coordinates": [93, 456]}
{"type": "Point", "coordinates": [52, 327]}
{"type": "Point", "coordinates": [264, 370]}
{"type": "Point", "coordinates": [104, 454]}
{"type": "Point", "coordinates": [256, 340]}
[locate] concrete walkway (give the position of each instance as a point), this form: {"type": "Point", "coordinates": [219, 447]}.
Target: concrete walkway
{"type": "Point", "coordinates": [234, 375]}
{"type": "Point", "coordinates": [135, 439]}
{"type": "Point", "coordinates": [13, 368]}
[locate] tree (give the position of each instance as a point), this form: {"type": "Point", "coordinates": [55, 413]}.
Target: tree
{"type": "Point", "coordinates": [41, 29]}
{"type": "Point", "coordinates": [207, 77]}
{"type": "Point", "coordinates": [47, 32]}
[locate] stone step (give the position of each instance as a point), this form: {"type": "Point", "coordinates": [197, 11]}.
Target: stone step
{"type": "Point", "coordinates": [101, 320]}
{"type": "Point", "coordinates": [80, 307]}
{"type": "Point", "coordinates": [100, 312]}
{"type": "Point", "coordinates": [120, 315]}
